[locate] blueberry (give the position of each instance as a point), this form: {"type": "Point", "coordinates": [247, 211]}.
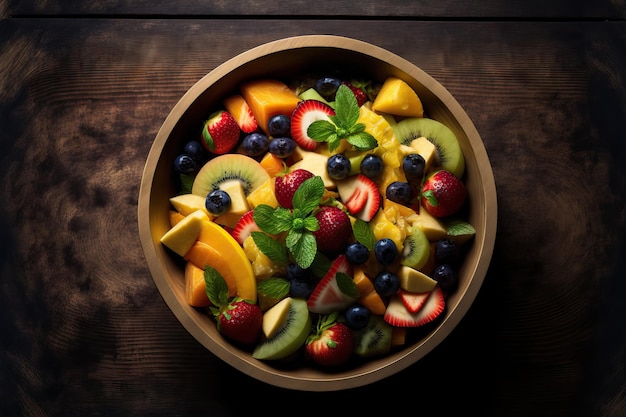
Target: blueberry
{"type": "Point", "coordinates": [446, 277]}
{"type": "Point", "coordinates": [218, 202]}
{"type": "Point", "coordinates": [295, 271]}
{"type": "Point", "coordinates": [385, 251]}
{"type": "Point", "coordinates": [327, 87]}
{"type": "Point", "coordinates": [282, 147]}
{"type": "Point", "coordinates": [338, 166]}
{"type": "Point", "coordinates": [184, 164]}
{"type": "Point", "coordinates": [386, 283]}
{"type": "Point", "coordinates": [447, 251]}
{"type": "Point", "coordinates": [357, 253]}
{"type": "Point", "coordinates": [399, 192]}
{"type": "Point", "coordinates": [413, 166]}
{"type": "Point", "coordinates": [357, 316]}
{"type": "Point", "coordinates": [255, 144]}
{"type": "Point", "coordinates": [279, 125]}
{"type": "Point", "coordinates": [300, 288]}
{"type": "Point", "coordinates": [372, 166]}
{"type": "Point", "coordinates": [197, 152]}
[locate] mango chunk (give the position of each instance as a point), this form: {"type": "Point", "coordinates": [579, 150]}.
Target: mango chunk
{"type": "Point", "coordinates": [202, 254]}
{"type": "Point", "coordinates": [186, 204]}
{"type": "Point", "coordinates": [396, 97]}
{"type": "Point", "coordinates": [195, 286]}
{"type": "Point", "coordinates": [183, 235]}
{"type": "Point", "coordinates": [267, 98]}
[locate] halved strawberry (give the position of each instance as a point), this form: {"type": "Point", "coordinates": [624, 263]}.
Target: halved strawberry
{"type": "Point", "coordinates": [334, 292]}
{"type": "Point", "coordinates": [413, 301]}
{"type": "Point", "coordinates": [398, 315]}
{"type": "Point", "coordinates": [307, 112]}
{"type": "Point", "coordinates": [360, 195]}
{"type": "Point", "coordinates": [244, 227]}
{"type": "Point", "coordinates": [220, 132]}
{"type": "Point", "coordinates": [239, 108]}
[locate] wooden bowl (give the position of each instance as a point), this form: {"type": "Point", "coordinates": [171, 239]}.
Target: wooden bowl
{"type": "Point", "coordinates": [283, 58]}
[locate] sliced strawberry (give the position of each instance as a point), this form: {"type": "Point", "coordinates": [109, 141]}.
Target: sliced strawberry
{"type": "Point", "coordinates": [244, 227]}
{"type": "Point", "coordinates": [328, 295]}
{"type": "Point", "coordinates": [220, 132]}
{"type": "Point", "coordinates": [398, 315]}
{"type": "Point", "coordinates": [307, 112]}
{"type": "Point", "coordinates": [360, 195]}
{"type": "Point", "coordinates": [239, 108]}
{"type": "Point", "coordinates": [413, 301]}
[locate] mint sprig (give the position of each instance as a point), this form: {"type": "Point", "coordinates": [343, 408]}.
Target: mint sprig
{"type": "Point", "coordinates": [343, 125]}
{"type": "Point", "coordinates": [299, 224]}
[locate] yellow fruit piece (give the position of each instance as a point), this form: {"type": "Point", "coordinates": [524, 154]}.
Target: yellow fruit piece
{"type": "Point", "coordinates": [388, 145]}
{"type": "Point", "coordinates": [275, 318]}
{"type": "Point", "coordinates": [398, 98]}
{"type": "Point", "coordinates": [183, 235]}
{"type": "Point", "coordinates": [382, 227]}
{"type": "Point", "coordinates": [368, 296]}
{"type": "Point", "coordinates": [214, 235]}
{"type": "Point", "coordinates": [431, 226]}
{"type": "Point", "coordinates": [413, 280]}
{"type": "Point", "coordinates": [427, 149]}
{"type": "Point", "coordinates": [186, 204]}
{"type": "Point", "coordinates": [272, 164]}
{"type": "Point", "coordinates": [264, 194]}
{"type": "Point", "coordinates": [228, 220]}
{"type": "Point", "coordinates": [262, 266]}
{"type": "Point", "coordinates": [175, 217]}
{"type": "Point", "coordinates": [202, 254]}
{"type": "Point", "coordinates": [195, 286]}
{"type": "Point", "coordinates": [393, 209]}
{"type": "Point", "coordinates": [267, 98]}
{"type": "Point", "coordinates": [238, 201]}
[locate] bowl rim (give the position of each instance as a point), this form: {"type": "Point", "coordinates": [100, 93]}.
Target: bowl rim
{"type": "Point", "coordinates": [258, 369]}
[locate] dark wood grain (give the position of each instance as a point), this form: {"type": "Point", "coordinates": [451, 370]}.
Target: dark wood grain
{"type": "Point", "coordinates": [84, 330]}
{"type": "Point", "coordinates": [415, 9]}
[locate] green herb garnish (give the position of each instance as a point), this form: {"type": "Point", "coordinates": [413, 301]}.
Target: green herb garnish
{"type": "Point", "coordinates": [343, 125]}
{"type": "Point", "coordinates": [299, 224]}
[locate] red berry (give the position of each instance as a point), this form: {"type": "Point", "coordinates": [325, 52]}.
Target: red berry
{"type": "Point", "coordinates": [335, 229]}
{"type": "Point", "coordinates": [359, 94]}
{"type": "Point", "coordinates": [220, 133]}
{"type": "Point", "coordinates": [241, 321]}
{"type": "Point", "coordinates": [443, 194]}
{"type": "Point", "coordinates": [307, 112]}
{"type": "Point", "coordinates": [332, 344]}
{"type": "Point", "coordinates": [286, 186]}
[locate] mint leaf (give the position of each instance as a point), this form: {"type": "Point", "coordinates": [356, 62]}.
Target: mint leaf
{"type": "Point", "coordinates": [346, 285]}
{"type": "Point", "coordinates": [271, 247]}
{"type": "Point", "coordinates": [216, 287]}
{"type": "Point", "coordinates": [321, 265]}
{"type": "Point", "coordinates": [272, 221]}
{"type": "Point", "coordinates": [274, 287]}
{"type": "Point", "coordinates": [308, 195]}
{"type": "Point", "coordinates": [346, 107]}
{"type": "Point", "coordinates": [322, 131]}
{"type": "Point", "coordinates": [186, 184]}
{"type": "Point", "coordinates": [302, 246]}
{"type": "Point", "coordinates": [311, 224]}
{"type": "Point", "coordinates": [459, 228]}
{"type": "Point", "coordinates": [363, 234]}
{"type": "Point", "coordinates": [362, 141]}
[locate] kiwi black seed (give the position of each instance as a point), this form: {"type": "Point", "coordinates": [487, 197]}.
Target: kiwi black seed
{"type": "Point", "coordinates": [374, 339]}
{"type": "Point", "coordinates": [229, 167]}
{"type": "Point", "coordinates": [448, 148]}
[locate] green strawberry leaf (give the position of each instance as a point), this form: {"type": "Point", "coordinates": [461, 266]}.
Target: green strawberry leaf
{"type": "Point", "coordinates": [274, 287]}
{"type": "Point", "coordinates": [271, 247]}
{"type": "Point", "coordinates": [216, 287]}
{"type": "Point", "coordinates": [430, 197]}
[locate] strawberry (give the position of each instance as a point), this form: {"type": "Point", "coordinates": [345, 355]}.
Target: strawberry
{"type": "Point", "coordinates": [220, 132]}
{"type": "Point", "coordinates": [244, 227]}
{"type": "Point", "coordinates": [397, 314]}
{"type": "Point", "coordinates": [286, 185]}
{"type": "Point", "coordinates": [335, 228]}
{"type": "Point", "coordinates": [413, 301]}
{"type": "Point", "coordinates": [359, 94]}
{"type": "Point", "coordinates": [307, 112]}
{"type": "Point", "coordinates": [443, 194]}
{"type": "Point", "coordinates": [240, 321]}
{"type": "Point", "coordinates": [331, 344]}
{"type": "Point", "coordinates": [239, 108]}
{"type": "Point", "coordinates": [336, 290]}
{"type": "Point", "coordinates": [360, 195]}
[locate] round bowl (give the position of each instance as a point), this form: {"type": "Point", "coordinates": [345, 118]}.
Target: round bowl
{"type": "Point", "coordinates": [283, 58]}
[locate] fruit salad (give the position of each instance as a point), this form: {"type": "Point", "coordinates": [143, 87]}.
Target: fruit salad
{"type": "Point", "coordinates": [322, 219]}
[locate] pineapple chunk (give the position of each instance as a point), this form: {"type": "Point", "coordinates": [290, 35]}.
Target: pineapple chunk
{"type": "Point", "coordinates": [264, 194]}
{"type": "Point", "coordinates": [239, 203]}
{"type": "Point", "coordinates": [427, 149]}
{"type": "Point", "coordinates": [396, 97]}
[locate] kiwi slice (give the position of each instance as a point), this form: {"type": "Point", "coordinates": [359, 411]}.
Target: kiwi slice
{"type": "Point", "coordinates": [448, 149]}
{"type": "Point", "coordinates": [374, 339]}
{"type": "Point", "coordinates": [229, 167]}
{"type": "Point", "coordinates": [416, 249]}
{"type": "Point", "coordinates": [290, 337]}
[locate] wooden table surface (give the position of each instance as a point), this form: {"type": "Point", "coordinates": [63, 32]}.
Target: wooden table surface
{"type": "Point", "coordinates": [84, 87]}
